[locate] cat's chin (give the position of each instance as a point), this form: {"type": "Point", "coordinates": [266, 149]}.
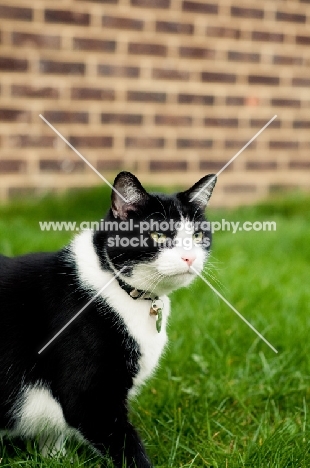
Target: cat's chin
{"type": "Point", "coordinates": [175, 281]}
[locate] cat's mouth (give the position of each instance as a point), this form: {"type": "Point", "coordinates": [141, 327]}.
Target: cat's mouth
{"type": "Point", "coordinates": [181, 273]}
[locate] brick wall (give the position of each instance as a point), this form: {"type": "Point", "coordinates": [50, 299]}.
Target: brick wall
{"type": "Point", "coordinates": [168, 89]}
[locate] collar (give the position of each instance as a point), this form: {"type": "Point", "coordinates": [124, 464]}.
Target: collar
{"type": "Point", "coordinates": [136, 293]}
{"type": "Point", "coordinates": [130, 290]}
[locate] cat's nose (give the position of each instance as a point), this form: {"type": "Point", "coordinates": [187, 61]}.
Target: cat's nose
{"type": "Point", "coordinates": [189, 259]}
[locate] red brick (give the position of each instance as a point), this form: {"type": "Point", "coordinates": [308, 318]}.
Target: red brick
{"type": "Point", "coordinates": [165, 166]}
{"type": "Point", "coordinates": [303, 40]}
{"type": "Point", "coordinates": [196, 99]}
{"type": "Point", "coordinates": [84, 43]}
{"type": "Point", "coordinates": [235, 101]}
{"type": "Point", "coordinates": [144, 142]}
{"type": "Point", "coordinates": [263, 80]}
{"type": "Point", "coordinates": [22, 39]}
{"type": "Point", "coordinates": [32, 141]}
{"type": "Point", "coordinates": [110, 164]}
{"type": "Point", "coordinates": [233, 144]}
{"type": "Point", "coordinates": [214, 166]}
{"type": "Point", "coordinates": [282, 144]}
{"type": "Point", "coordinates": [91, 141]}
{"type": "Point", "coordinates": [174, 27]}
{"type": "Point", "coordinates": [12, 64]}
{"type": "Point", "coordinates": [64, 165]}
{"type": "Point", "coordinates": [285, 102]}
{"type": "Point", "coordinates": [287, 60]}
{"type": "Point", "coordinates": [151, 3]}
{"type": "Point", "coordinates": [66, 117]}
{"type": "Point", "coordinates": [261, 122]}
{"type": "Point", "coordinates": [292, 17]}
{"type": "Point", "coordinates": [217, 31]}
{"type": "Point", "coordinates": [196, 52]}
{"type": "Point", "coordinates": [125, 119]}
{"type": "Point", "coordinates": [221, 122]}
{"type": "Point", "coordinates": [197, 7]}
{"type": "Point", "coordinates": [118, 70]}
{"type": "Point", "coordinates": [261, 165]}
{"type": "Point", "coordinates": [66, 17]}
{"type": "Point", "coordinates": [16, 13]}
{"type": "Point", "coordinates": [170, 74]}
{"type": "Point", "coordinates": [304, 82]}
{"type": "Point", "coordinates": [145, 96]}
{"type": "Point", "coordinates": [300, 164]}
{"type": "Point", "coordinates": [14, 115]}
{"type": "Point", "coordinates": [9, 166]}
{"type": "Point", "coordinates": [240, 188]}
{"type": "Point", "coordinates": [175, 120]}
{"type": "Point", "coordinates": [267, 36]}
{"type": "Point", "coordinates": [185, 143]}
{"type": "Point", "coordinates": [117, 22]}
{"type": "Point", "coordinates": [246, 12]}
{"type": "Point", "coordinates": [62, 68]}
{"type": "Point", "coordinates": [96, 94]}
{"type": "Point", "coordinates": [147, 49]}
{"type": "Point", "coordinates": [301, 124]}
{"type": "Point", "coordinates": [243, 56]}
{"type": "Point", "coordinates": [34, 91]}
{"type": "Point", "coordinates": [218, 77]}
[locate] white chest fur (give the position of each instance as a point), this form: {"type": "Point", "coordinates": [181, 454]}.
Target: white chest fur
{"type": "Point", "coordinates": [134, 313]}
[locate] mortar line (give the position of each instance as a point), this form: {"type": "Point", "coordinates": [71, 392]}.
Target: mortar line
{"type": "Point", "coordinates": [82, 157]}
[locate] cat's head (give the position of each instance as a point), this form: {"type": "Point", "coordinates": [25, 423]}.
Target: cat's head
{"type": "Point", "coordinates": [161, 239]}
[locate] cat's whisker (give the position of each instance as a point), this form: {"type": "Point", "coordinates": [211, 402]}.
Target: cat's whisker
{"type": "Point", "coordinates": [162, 206]}
{"type": "Point", "coordinates": [155, 212]}
{"type": "Point", "coordinates": [215, 279]}
{"type": "Point", "coordinates": [147, 282]}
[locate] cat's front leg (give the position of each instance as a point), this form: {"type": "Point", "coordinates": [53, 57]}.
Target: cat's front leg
{"type": "Point", "coordinates": [123, 444]}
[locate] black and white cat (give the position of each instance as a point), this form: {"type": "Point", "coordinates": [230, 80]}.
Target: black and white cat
{"type": "Point", "coordinates": [80, 383]}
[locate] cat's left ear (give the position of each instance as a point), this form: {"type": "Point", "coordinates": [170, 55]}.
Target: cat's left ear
{"type": "Point", "coordinates": [127, 187]}
{"type": "Point", "coordinates": [201, 192]}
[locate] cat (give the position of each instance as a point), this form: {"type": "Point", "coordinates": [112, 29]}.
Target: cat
{"type": "Point", "coordinates": [79, 382]}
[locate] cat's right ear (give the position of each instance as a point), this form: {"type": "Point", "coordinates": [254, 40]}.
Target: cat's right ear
{"type": "Point", "coordinates": [128, 195]}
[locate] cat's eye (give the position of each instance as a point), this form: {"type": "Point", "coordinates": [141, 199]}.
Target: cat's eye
{"type": "Point", "coordinates": [197, 236]}
{"type": "Point", "coordinates": [158, 237]}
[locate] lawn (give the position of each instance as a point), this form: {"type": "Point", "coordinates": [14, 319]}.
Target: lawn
{"type": "Point", "coordinates": [221, 397]}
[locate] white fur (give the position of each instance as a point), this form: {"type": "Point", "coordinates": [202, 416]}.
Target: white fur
{"type": "Point", "coordinates": [37, 413]}
{"type": "Point", "coordinates": [134, 313]}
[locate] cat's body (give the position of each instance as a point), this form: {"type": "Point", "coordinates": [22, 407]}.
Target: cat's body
{"type": "Point", "coordinates": [80, 383]}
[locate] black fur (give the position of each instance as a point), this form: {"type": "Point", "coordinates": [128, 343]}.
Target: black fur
{"type": "Point", "coordinates": [90, 367]}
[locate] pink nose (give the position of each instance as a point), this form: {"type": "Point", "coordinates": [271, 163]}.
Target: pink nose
{"type": "Point", "coordinates": [189, 259]}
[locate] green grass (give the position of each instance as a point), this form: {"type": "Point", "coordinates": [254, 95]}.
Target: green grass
{"type": "Point", "coordinates": [220, 397]}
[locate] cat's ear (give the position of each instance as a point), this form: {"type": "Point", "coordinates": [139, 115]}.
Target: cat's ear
{"type": "Point", "coordinates": [128, 195]}
{"type": "Point", "coordinates": [201, 192]}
